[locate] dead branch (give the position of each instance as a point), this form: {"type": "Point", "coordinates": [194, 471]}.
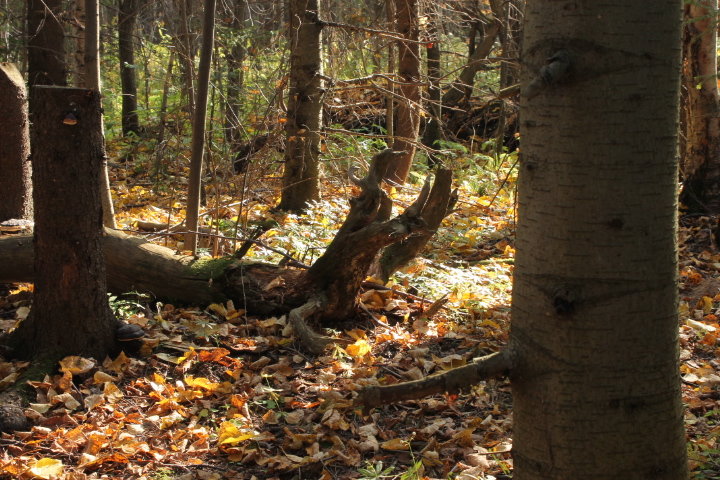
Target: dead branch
{"type": "Point", "coordinates": [452, 381]}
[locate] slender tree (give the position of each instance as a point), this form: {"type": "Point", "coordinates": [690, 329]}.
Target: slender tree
{"type": "Point", "coordinates": [91, 77]}
{"type": "Point", "coordinates": [199, 118]}
{"type": "Point", "coordinates": [433, 129]}
{"type": "Point", "coordinates": [407, 110]}
{"type": "Point", "coordinates": [235, 57]}
{"type": "Point", "coordinates": [78, 57]}
{"type": "Point", "coordinates": [300, 177]}
{"type": "Point", "coordinates": [127, 17]}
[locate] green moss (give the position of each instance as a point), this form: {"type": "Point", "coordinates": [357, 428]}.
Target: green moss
{"type": "Point", "coordinates": [210, 268]}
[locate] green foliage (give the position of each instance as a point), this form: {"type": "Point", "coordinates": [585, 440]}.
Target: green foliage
{"type": "Point", "coordinates": [127, 304]}
{"type": "Point", "coordinates": [375, 471]}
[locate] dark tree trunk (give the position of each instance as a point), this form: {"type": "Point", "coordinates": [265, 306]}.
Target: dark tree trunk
{"type": "Point", "coordinates": [300, 178]}
{"type": "Point", "coordinates": [15, 183]}
{"type": "Point", "coordinates": [127, 16]}
{"type": "Point", "coordinates": [70, 314]}
{"type": "Point", "coordinates": [433, 129]}
{"type": "Point", "coordinates": [512, 33]}
{"type": "Point", "coordinates": [186, 50]}
{"type": "Point", "coordinates": [235, 56]}
{"type": "Point", "coordinates": [46, 43]}
{"type": "Point", "coordinates": [407, 110]}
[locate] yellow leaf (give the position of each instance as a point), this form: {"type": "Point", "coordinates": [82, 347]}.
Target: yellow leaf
{"type": "Point", "coordinates": [76, 365]}
{"type": "Point", "coordinates": [396, 444]}
{"type": "Point", "coordinates": [112, 392]}
{"type": "Point", "coordinates": [707, 305]}
{"type": "Point", "coordinates": [219, 309]}
{"type": "Point", "coordinates": [47, 468]}
{"type": "Point", "coordinates": [358, 349]}
{"type": "Point", "coordinates": [230, 434]}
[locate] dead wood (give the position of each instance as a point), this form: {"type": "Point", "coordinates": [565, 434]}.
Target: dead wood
{"type": "Point", "coordinates": [326, 292]}
{"type": "Point", "coordinates": [452, 381]}
{"type": "Point", "coordinates": [432, 208]}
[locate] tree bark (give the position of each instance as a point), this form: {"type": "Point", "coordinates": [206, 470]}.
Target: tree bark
{"type": "Point", "coordinates": [391, 61]}
{"type": "Point", "coordinates": [511, 36]}
{"type": "Point", "coordinates": [594, 333]}
{"type": "Point", "coordinates": [78, 57]}
{"type": "Point", "coordinates": [15, 182]}
{"type": "Point", "coordinates": [235, 56]}
{"type": "Point", "coordinates": [92, 81]}
{"type": "Point", "coordinates": [46, 43]}
{"type": "Point", "coordinates": [301, 183]}
{"type": "Point", "coordinates": [70, 313]}
{"type": "Point", "coordinates": [127, 16]}
{"type": "Point", "coordinates": [700, 147]}
{"type": "Point", "coordinates": [408, 110]}
{"type": "Point", "coordinates": [187, 54]}
{"type": "Point", "coordinates": [199, 119]}
{"type": "Point", "coordinates": [433, 129]}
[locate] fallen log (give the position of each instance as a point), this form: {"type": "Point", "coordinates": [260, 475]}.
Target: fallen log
{"type": "Point", "coordinates": [324, 293]}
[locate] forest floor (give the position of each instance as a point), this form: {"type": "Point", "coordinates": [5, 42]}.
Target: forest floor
{"type": "Point", "coordinates": [216, 394]}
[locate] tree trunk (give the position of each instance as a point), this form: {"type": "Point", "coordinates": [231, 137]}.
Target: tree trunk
{"type": "Point", "coordinates": [70, 314]}
{"type": "Point", "coordinates": [79, 42]}
{"type": "Point", "coordinates": [700, 148]}
{"type": "Point", "coordinates": [511, 36]}
{"type": "Point", "coordinates": [235, 56]}
{"type": "Point", "coordinates": [46, 43]}
{"type": "Point", "coordinates": [92, 81]}
{"type": "Point", "coordinates": [433, 129]}
{"type": "Point", "coordinates": [391, 60]}
{"type": "Point", "coordinates": [302, 150]}
{"type": "Point", "coordinates": [187, 54]}
{"type": "Point", "coordinates": [594, 333]}
{"type": "Point", "coordinates": [199, 118]}
{"type": "Point", "coordinates": [127, 15]}
{"type": "Point", "coordinates": [15, 183]}
{"type": "Point", "coordinates": [407, 110]}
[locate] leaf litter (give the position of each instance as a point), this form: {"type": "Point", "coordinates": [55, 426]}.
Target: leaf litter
{"type": "Point", "coordinates": [215, 394]}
